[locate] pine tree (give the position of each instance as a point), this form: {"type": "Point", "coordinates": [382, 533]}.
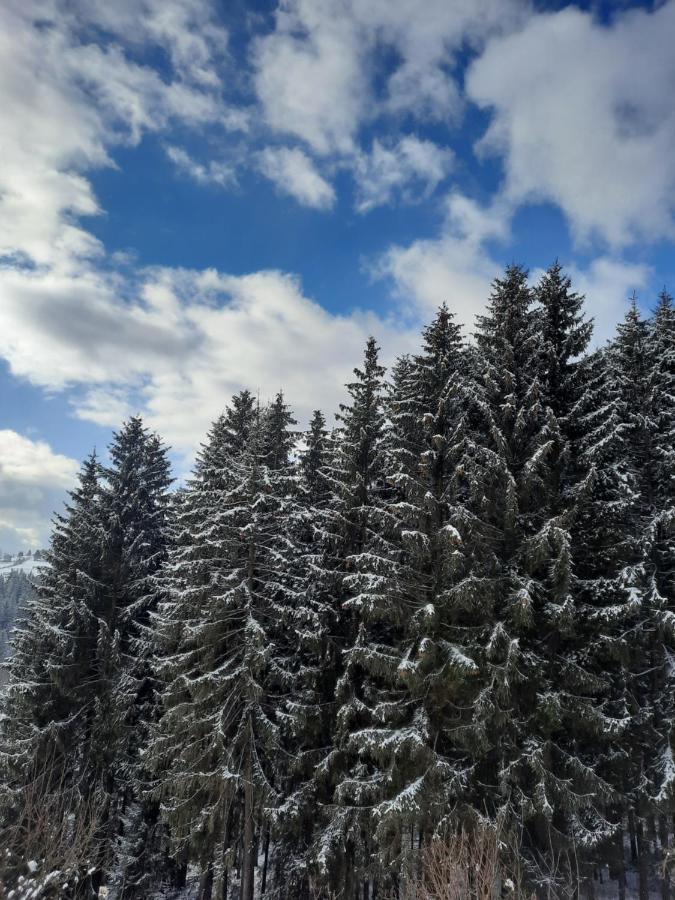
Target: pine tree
{"type": "Point", "coordinates": [313, 460]}
{"type": "Point", "coordinates": [660, 558]}
{"type": "Point", "coordinates": [191, 637]}
{"type": "Point", "coordinates": [608, 571]}
{"type": "Point", "coordinates": [406, 669]}
{"type": "Point", "coordinates": [278, 439]}
{"type": "Point", "coordinates": [47, 706]}
{"type": "Point", "coordinates": [566, 335]}
{"type": "Point", "coordinates": [225, 646]}
{"type": "Point", "coordinates": [355, 482]}
{"type": "Point", "coordinates": [574, 388]}
{"type": "Point", "coordinates": [82, 683]}
{"type": "Point", "coordinates": [627, 582]}
{"type": "Point", "coordinates": [309, 705]}
{"type": "Point", "coordinates": [512, 598]}
{"type": "Point", "coordinates": [136, 507]}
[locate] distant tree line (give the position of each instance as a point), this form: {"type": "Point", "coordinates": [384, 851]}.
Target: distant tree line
{"type": "Point", "coordinates": [452, 612]}
{"type": "Point", "coordinates": [15, 589]}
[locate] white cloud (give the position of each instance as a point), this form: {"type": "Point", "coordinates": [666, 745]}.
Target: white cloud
{"type": "Point", "coordinates": [294, 173]}
{"type": "Point", "coordinates": [184, 28]}
{"type": "Point", "coordinates": [583, 115]}
{"type": "Point", "coordinates": [182, 345]}
{"type": "Point", "coordinates": [171, 344]}
{"type": "Point", "coordinates": [426, 41]}
{"type": "Point", "coordinates": [60, 328]}
{"type": "Point", "coordinates": [411, 168]}
{"type": "Point", "coordinates": [32, 481]}
{"type": "Point", "coordinates": [457, 267]}
{"type": "Point", "coordinates": [309, 75]}
{"type": "Point", "coordinates": [454, 267]}
{"type": "Point", "coordinates": [608, 284]}
{"type": "Point", "coordinates": [315, 73]}
{"type": "Point", "coordinates": [211, 172]}
{"type": "Point", "coordinates": [65, 100]}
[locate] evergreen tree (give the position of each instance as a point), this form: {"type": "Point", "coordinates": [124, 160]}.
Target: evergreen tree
{"type": "Point", "coordinates": [313, 459]}
{"type": "Point", "coordinates": [407, 667]}
{"type": "Point", "coordinates": [623, 548]}
{"type": "Point", "coordinates": [225, 630]}
{"type": "Point", "coordinates": [192, 638]}
{"type": "Point", "coordinates": [81, 679]}
{"type": "Point", "coordinates": [278, 439]}
{"type": "Point", "coordinates": [512, 599]}
{"type": "Point", "coordinates": [48, 703]}
{"type": "Point", "coordinates": [136, 507]}
{"type": "Point", "coordinates": [51, 646]}
{"type": "Point", "coordinates": [309, 705]}
{"type": "Point", "coordinates": [566, 334]}
{"type": "Point", "coordinates": [356, 482]}
{"type": "Point", "coordinates": [660, 549]}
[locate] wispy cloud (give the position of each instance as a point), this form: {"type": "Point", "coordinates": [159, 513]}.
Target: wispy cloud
{"type": "Point", "coordinates": [211, 172]}
{"type": "Point", "coordinates": [294, 173]}
{"type": "Point", "coordinates": [410, 169]}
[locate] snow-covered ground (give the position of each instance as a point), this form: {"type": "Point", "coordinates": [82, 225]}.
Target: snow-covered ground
{"type": "Point", "coordinates": [26, 564]}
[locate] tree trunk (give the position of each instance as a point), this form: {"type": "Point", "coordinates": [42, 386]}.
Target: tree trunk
{"type": "Point", "coordinates": [248, 860]}
{"type": "Point", "coordinates": [180, 874]}
{"type": "Point", "coordinates": [206, 883]}
{"type": "Point", "coordinates": [265, 858]}
{"type": "Point", "coordinates": [632, 837]}
{"type": "Point", "coordinates": [643, 862]}
{"type": "Point", "coordinates": [663, 841]}
{"type": "Point", "coordinates": [621, 865]}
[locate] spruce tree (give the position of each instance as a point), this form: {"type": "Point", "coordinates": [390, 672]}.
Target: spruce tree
{"type": "Point", "coordinates": [660, 558]}
{"type": "Point", "coordinates": [356, 485]}
{"type": "Point", "coordinates": [566, 334]}
{"type": "Point", "coordinates": [313, 459]}
{"type": "Point", "coordinates": [192, 635]}
{"type": "Point", "coordinates": [309, 705]}
{"type": "Point", "coordinates": [47, 703]}
{"type": "Point", "coordinates": [225, 648]}
{"type": "Point", "coordinates": [627, 586]}
{"type": "Point", "coordinates": [136, 511]}
{"type": "Point", "coordinates": [408, 670]}
{"type": "Point", "coordinates": [80, 720]}
{"type": "Point", "coordinates": [511, 598]}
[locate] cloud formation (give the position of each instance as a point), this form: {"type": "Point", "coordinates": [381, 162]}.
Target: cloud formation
{"type": "Point", "coordinates": [583, 116]}
{"type": "Point", "coordinates": [411, 169]}
{"type": "Point", "coordinates": [350, 85]}
{"type": "Point", "coordinates": [315, 72]}
{"type": "Point", "coordinates": [184, 343]}
{"type": "Point", "coordinates": [32, 480]}
{"type": "Point", "coordinates": [211, 172]}
{"type": "Point", "coordinates": [294, 173]}
{"type": "Point", "coordinates": [457, 267]}
{"type": "Point", "coordinates": [67, 100]}
{"type": "Point", "coordinates": [453, 267]}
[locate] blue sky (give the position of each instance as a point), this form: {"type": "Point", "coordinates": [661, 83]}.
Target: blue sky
{"type": "Point", "coordinates": [198, 196]}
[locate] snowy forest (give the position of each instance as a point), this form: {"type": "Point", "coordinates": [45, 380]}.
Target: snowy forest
{"type": "Point", "coordinates": [423, 650]}
{"type": "Point", "coordinates": [15, 589]}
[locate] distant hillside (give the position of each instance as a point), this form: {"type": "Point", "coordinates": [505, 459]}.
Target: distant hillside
{"type": "Point", "coordinates": [17, 575]}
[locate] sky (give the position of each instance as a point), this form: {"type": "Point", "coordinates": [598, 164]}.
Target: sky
{"type": "Point", "coordinates": [198, 196]}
